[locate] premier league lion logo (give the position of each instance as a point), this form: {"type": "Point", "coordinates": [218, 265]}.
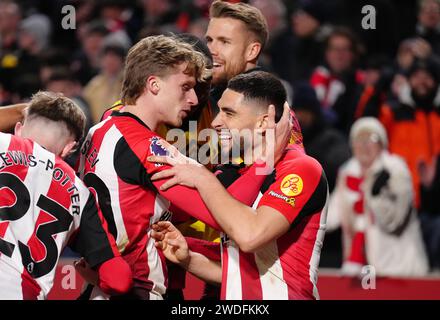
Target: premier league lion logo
{"type": "Point", "coordinates": [157, 149]}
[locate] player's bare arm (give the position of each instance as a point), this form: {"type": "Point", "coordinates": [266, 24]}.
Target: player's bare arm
{"type": "Point", "coordinates": [10, 115]}
{"type": "Point", "coordinates": [175, 248]}
{"type": "Point", "coordinates": [250, 228]}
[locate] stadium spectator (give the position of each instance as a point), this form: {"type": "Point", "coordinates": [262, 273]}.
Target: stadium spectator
{"type": "Point", "coordinates": [86, 60]}
{"type": "Point", "coordinates": [337, 83]}
{"type": "Point", "coordinates": [428, 24]}
{"type": "Point", "coordinates": [35, 33]}
{"type": "Point", "coordinates": [309, 28]}
{"type": "Point", "coordinates": [373, 203]}
{"type": "Point", "coordinates": [105, 88]}
{"type": "Point", "coordinates": [325, 144]}
{"type": "Point", "coordinates": [160, 17]}
{"type": "Point", "coordinates": [10, 18]}
{"type": "Point", "coordinates": [412, 120]}
{"type": "Point", "coordinates": [62, 80]}
{"type": "Point", "coordinates": [430, 210]}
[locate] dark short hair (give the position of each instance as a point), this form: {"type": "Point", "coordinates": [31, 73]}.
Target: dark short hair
{"type": "Point", "coordinates": [61, 74]}
{"type": "Point", "coordinates": [262, 87]}
{"type": "Point", "coordinates": [356, 45]}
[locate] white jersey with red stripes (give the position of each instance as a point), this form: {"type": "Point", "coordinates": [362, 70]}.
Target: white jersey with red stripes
{"type": "Point", "coordinates": [286, 268]}
{"type": "Point", "coordinates": [42, 206]}
{"type": "Point", "coordinates": [114, 164]}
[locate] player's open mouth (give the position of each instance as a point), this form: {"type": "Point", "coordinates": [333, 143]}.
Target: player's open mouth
{"type": "Point", "coordinates": [224, 135]}
{"type": "Point", "coordinates": [217, 65]}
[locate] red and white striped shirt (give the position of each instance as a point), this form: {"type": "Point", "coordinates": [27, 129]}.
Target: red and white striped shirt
{"type": "Point", "coordinates": [43, 207]}
{"type": "Point", "coordinates": [287, 267]}
{"type": "Point", "coordinates": [114, 163]}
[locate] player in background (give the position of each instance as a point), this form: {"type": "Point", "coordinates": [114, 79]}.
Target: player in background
{"type": "Point", "coordinates": [44, 206]}
{"type": "Point", "coordinates": [271, 249]}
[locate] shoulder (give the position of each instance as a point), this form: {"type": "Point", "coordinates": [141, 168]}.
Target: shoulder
{"type": "Point", "coordinates": [298, 161]}
{"type": "Point", "coordinates": [394, 162]}
{"type": "Point", "coordinates": [300, 168]}
{"type": "Point", "coordinates": [350, 166]}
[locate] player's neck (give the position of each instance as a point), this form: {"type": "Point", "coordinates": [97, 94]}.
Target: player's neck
{"type": "Point", "coordinates": [250, 66]}
{"type": "Point", "coordinates": [145, 113]}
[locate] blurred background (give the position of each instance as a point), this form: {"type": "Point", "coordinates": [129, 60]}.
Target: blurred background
{"type": "Point", "coordinates": [337, 73]}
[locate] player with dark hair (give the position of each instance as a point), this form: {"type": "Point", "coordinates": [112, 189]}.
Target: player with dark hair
{"type": "Point", "coordinates": [271, 249]}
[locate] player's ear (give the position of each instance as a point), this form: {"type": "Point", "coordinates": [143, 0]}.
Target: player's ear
{"type": "Point", "coordinates": [252, 51]}
{"type": "Point", "coordinates": [18, 129]}
{"type": "Point", "coordinates": [261, 123]}
{"type": "Point", "coordinates": [68, 149]}
{"type": "Point", "coordinates": [153, 84]}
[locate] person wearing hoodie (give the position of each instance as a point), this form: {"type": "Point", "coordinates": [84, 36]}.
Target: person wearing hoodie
{"type": "Point", "coordinates": [412, 120]}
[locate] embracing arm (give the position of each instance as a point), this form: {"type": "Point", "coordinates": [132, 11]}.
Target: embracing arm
{"type": "Point", "coordinates": [175, 248]}
{"type": "Point", "coordinates": [10, 115]}
{"type": "Point", "coordinates": [279, 207]}
{"type": "Point", "coordinates": [188, 200]}
{"type": "Point", "coordinates": [248, 227]}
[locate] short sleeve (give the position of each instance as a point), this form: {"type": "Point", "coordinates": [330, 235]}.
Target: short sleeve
{"type": "Point", "coordinates": [300, 189]}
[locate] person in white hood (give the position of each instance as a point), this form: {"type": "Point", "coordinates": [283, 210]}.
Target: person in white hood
{"type": "Point", "coordinates": [373, 203]}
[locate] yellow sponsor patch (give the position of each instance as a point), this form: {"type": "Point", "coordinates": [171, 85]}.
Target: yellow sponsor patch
{"type": "Point", "coordinates": [292, 185]}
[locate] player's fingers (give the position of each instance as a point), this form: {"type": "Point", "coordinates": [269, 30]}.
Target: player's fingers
{"type": "Point", "coordinates": [162, 159]}
{"type": "Point", "coordinates": [160, 245]}
{"type": "Point", "coordinates": [163, 224]}
{"type": "Point", "coordinates": [286, 112]}
{"type": "Point", "coordinates": [158, 236]}
{"type": "Point", "coordinates": [173, 242]}
{"type": "Point", "coordinates": [271, 116]}
{"type": "Point", "coordinates": [163, 174]}
{"type": "Point", "coordinates": [166, 225]}
{"type": "Point", "coordinates": [157, 228]}
{"type": "Point", "coordinates": [169, 183]}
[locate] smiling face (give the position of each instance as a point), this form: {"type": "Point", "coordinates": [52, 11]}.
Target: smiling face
{"type": "Point", "coordinates": [176, 95]}
{"type": "Point", "coordinates": [366, 148]}
{"type": "Point", "coordinates": [228, 41]}
{"type": "Point", "coordinates": [236, 115]}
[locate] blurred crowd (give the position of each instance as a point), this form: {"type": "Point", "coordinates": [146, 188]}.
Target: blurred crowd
{"type": "Point", "coordinates": [337, 71]}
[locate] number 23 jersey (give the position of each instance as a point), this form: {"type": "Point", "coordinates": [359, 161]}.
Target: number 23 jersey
{"type": "Point", "coordinates": [43, 208]}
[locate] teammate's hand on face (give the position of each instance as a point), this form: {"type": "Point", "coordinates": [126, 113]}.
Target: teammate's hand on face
{"type": "Point", "coordinates": [277, 141]}
{"type": "Point", "coordinates": [283, 131]}
{"type": "Point", "coordinates": [89, 275]}
{"type": "Point", "coordinates": [171, 242]}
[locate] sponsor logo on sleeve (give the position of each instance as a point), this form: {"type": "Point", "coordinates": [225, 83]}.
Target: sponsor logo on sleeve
{"type": "Point", "coordinates": [290, 201]}
{"type": "Point", "coordinates": [292, 185]}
